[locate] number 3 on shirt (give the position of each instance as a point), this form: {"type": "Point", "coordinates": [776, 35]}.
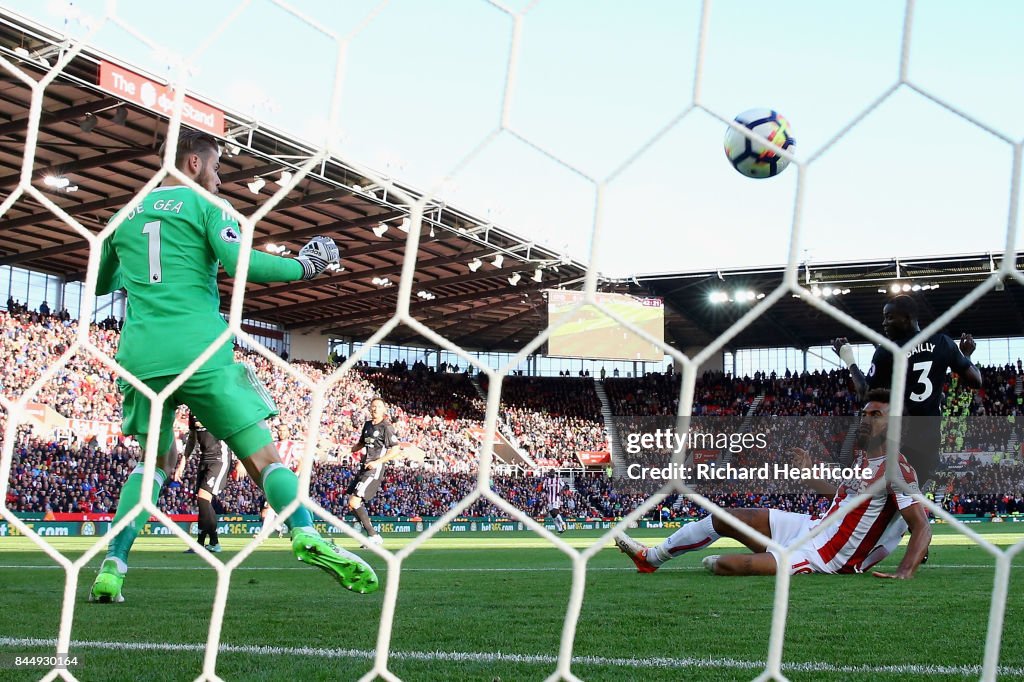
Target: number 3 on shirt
{"type": "Point", "coordinates": [156, 274]}
{"type": "Point", "coordinates": [922, 378]}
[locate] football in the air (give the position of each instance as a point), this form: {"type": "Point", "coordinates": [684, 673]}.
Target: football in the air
{"type": "Point", "coordinates": [751, 158]}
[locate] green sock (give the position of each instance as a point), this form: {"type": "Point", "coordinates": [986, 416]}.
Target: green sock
{"type": "Point", "coordinates": [130, 494]}
{"type": "Point", "coordinates": [281, 486]}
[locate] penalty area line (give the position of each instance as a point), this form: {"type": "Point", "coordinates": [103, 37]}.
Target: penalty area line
{"type": "Point", "coordinates": [535, 659]}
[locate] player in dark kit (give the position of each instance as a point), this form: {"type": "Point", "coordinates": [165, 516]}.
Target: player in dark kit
{"type": "Point", "coordinates": [927, 364]}
{"type": "Point", "coordinates": [379, 441]}
{"type": "Point", "coordinates": [214, 465]}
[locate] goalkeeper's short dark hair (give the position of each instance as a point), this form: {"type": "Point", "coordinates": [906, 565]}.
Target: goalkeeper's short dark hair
{"type": "Point", "coordinates": [191, 142]}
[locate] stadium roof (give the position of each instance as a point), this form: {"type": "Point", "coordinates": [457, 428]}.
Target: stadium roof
{"type": "Point", "coordinates": [857, 288]}
{"type": "Point", "coordinates": [105, 146]}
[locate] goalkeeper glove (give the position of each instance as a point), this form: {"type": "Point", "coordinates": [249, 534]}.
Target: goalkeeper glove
{"type": "Point", "coordinates": [317, 255]}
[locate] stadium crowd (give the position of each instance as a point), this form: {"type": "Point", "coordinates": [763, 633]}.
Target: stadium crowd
{"type": "Point", "coordinates": [716, 393]}
{"type": "Point", "coordinates": [442, 412]}
{"type": "Point", "coordinates": [544, 413]}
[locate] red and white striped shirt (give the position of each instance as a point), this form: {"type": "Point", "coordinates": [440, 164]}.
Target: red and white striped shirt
{"type": "Point", "coordinates": [844, 546]}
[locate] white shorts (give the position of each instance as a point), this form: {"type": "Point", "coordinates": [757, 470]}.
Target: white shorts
{"type": "Point", "coordinates": [787, 528]}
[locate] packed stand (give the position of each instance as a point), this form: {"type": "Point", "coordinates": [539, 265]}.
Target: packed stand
{"type": "Point", "coordinates": [82, 389]}
{"type": "Point", "coordinates": [439, 411]}
{"type": "Point", "coordinates": [553, 418]}
{"type": "Point", "coordinates": [436, 410]}
{"type": "Point", "coordinates": [657, 394]}
{"type": "Point", "coordinates": [807, 394]}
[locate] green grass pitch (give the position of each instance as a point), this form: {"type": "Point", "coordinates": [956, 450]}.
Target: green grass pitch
{"type": "Point", "coordinates": [476, 607]}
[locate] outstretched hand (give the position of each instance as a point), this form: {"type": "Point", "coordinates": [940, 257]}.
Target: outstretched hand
{"type": "Point", "coordinates": [316, 255]}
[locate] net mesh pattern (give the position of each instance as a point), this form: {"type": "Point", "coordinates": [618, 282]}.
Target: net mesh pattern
{"type": "Point", "coordinates": [415, 206]}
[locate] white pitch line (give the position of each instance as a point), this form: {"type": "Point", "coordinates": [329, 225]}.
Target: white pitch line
{"type": "Point", "coordinates": [568, 569]}
{"type": "Point", "coordinates": [404, 569]}
{"type": "Point", "coordinates": [207, 567]}
{"type": "Point", "coordinates": [532, 659]}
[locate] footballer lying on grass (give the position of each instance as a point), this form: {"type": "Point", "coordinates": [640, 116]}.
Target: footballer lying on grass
{"type": "Point", "coordinates": [865, 536]}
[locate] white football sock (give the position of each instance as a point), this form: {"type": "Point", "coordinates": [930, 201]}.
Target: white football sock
{"type": "Point", "coordinates": [691, 536]}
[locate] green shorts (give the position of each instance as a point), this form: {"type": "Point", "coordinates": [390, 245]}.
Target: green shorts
{"type": "Point", "coordinates": [226, 400]}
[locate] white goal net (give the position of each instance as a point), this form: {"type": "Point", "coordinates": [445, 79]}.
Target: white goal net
{"type": "Point", "coordinates": [803, 166]}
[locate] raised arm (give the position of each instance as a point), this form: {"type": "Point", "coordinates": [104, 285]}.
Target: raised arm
{"type": "Point", "coordinates": [967, 370]}
{"type": "Point", "coordinates": [844, 350]}
{"type": "Point", "coordinates": [224, 237]}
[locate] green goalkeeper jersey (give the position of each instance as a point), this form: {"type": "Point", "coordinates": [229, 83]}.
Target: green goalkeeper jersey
{"type": "Point", "coordinates": [165, 255]}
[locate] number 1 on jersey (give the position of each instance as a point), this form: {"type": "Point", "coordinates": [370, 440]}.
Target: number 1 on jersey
{"type": "Point", "coordinates": [152, 229]}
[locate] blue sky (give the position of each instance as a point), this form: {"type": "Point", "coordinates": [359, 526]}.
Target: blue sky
{"type": "Point", "coordinates": [424, 83]}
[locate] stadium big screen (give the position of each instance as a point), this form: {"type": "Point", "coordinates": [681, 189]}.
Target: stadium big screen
{"type": "Point", "coordinates": [589, 333]}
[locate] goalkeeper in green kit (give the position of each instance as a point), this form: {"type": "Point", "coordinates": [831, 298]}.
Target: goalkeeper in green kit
{"type": "Point", "coordinates": [165, 255]}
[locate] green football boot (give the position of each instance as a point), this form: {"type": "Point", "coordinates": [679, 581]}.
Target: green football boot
{"type": "Point", "coordinates": [107, 587]}
{"type": "Point", "coordinates": [349, 570]}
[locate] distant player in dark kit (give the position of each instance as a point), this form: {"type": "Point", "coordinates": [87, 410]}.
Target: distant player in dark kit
{"type": "Point", "coordinates": [552, 487]}
{"type": "Point", "coordinates": [927, 364]}
{"type": "Point", "coordinates": [379, 441]}
{"type": "Point", "coordinates": [214, 465]}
